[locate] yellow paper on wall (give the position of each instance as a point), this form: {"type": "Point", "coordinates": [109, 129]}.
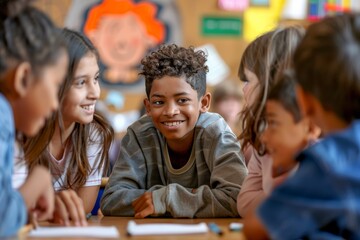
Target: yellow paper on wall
{"type": "Point", "coordinates": [258, 20]}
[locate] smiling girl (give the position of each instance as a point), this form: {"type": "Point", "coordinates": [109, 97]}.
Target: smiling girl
{"type": "Point", "coordinates": [74, 143]}
{"type": "Point", "coordinates": [262, 60]}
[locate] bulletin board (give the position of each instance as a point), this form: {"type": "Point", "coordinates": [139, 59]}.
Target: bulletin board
{"type": "Point", "coordinates": [230, 46]}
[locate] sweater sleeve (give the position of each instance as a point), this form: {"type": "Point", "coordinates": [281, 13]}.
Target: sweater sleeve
{"type": "Point", "coordinates": [13, 212]}
{"type": "Point", "coordinates": [127, 180]}
{"type": "Point", "coordinates": [227, 169]}
{"type": "Point", "coordinates": [252, 192]}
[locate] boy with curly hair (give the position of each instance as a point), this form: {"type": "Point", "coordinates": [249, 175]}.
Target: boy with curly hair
{"type": "Point", "coordinates": [179, 160]}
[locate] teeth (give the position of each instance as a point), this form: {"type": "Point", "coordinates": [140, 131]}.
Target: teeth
{"type": "Point", "coordinates": [172, 123]}
{"type": "Point", "coordinates": [89, 107]}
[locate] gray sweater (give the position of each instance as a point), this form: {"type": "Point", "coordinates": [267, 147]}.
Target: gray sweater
{"type": "Point", "coordinates": [207, 186]}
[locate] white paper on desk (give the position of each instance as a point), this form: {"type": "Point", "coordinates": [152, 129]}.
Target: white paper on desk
{"type": "Point", "coordinates": [91, 231]}
{"type": "Point", "coordinates": [165, 228]}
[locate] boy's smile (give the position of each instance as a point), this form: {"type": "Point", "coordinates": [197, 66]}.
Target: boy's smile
{"type": "Point", "coordinates": [172, 124]}
{"type": "Point", "coordinates": [174, 108]}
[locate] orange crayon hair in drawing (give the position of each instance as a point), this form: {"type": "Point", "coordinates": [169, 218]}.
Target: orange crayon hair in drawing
{"type": "Point", "coordinates": [146, 12]}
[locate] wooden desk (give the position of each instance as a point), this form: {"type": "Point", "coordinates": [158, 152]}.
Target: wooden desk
{"type": "Point", "coordinates": [121, 224]}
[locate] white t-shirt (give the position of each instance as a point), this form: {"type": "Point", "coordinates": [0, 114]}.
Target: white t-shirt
{"type": "Point", "coordinates": [94, 151]}
{"type": "Point", "coordinates": [20, 168]}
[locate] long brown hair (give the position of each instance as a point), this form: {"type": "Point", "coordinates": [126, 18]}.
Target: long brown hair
{"type": "Point", "coordinates": [265, 57]}
{"type": "Point", "coordinates": [35, 148]}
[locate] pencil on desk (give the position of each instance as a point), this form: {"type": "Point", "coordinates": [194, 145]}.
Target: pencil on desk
{"type": "Point", "coordinates": [33, 220]}
{"type": "Point", "coordinates": [215, 229]}
{"type": "Point", "coordinates": [25, 230]}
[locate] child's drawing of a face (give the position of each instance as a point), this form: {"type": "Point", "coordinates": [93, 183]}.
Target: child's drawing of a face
{"type": "Point", "coordinates": [123, 32]}
{"type": "Point", "coordinates": [122, 40]}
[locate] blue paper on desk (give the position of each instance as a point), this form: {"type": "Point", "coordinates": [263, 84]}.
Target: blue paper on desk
{"type": "Point", "coordinates": [165, 228]}
{"type": "Point", "coordinates": [90, 231]}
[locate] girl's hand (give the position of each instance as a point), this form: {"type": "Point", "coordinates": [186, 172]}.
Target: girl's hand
{"type": "Point", "coordinates": [69, 209]}
{"type": "Point", "coordinates": [38, 193]}
{"type": "Point", "coordinates": [144, 206]}
{"type": "Point", "coordinates": [44, 207]}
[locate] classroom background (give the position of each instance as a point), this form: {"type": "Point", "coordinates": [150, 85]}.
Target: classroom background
{"type": "Point", "coordinates": [124, 31]}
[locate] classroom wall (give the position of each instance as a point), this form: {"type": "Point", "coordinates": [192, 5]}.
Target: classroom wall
{"type": "Point", "coordinates": [230, 48]}
{"type": "Point", "coordinates": [57, 10]}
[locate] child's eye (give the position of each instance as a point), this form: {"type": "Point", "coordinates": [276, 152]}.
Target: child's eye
{"type": "Point", "coordinates": [183, 100]}
{"type": "Point", "coordinates": [245, 80]}
{"type": "Point", "coordinates": [158, 102]}
{"type": "Point", "coordinates": [271, 123]}
{"type": "Point", "coordinates": [97, 78]}
{"type": "Point", "coordinates": [80, 82]}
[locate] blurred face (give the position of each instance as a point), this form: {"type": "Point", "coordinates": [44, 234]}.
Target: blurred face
{"type": "Point", "coordinates": [79, 102]}
{"type": "Point", "coordinates": [174, 108]}
{"type": "Point", "coordinates": [41, 99]}
{"type": "Point", "coordinates": [229, 109]}
{"type": "Point", "coordinates": [283, 137]}
{"type": "Point", "coordinates": [251, 87]}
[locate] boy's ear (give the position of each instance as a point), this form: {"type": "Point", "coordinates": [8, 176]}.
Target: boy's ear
{"type": "Point", "coordinates": [22, 79]}
{"type": "Point", "coordinates": [304, 102]}
{"type": "Point", "coordinates": [205, 102]}
{"type": "Point", "coordinates": [147, 106]}
{"type": "Point", "coordinates": [311, 131]}
{"type": "Point", "coordinates": [314, 131]}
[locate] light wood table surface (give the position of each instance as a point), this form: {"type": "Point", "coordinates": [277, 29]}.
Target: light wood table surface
{"type": "Point", "coordinates": [121, 223]}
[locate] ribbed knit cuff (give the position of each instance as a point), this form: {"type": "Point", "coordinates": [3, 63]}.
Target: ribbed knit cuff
{"type": "Point", "coordinates": [159, 200]}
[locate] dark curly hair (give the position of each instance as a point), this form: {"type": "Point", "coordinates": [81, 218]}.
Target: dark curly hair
{"type": "Point", "coordinates": [175, 61]}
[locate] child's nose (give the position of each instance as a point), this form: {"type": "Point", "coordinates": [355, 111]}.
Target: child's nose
{"type": "Point", "coordinates": [55, 104]}
{"type": "Point", "coordinates": [264, 137]}
{"type": "Point", "coordinates": [94, 91]}
{"type": "Point", "coordinates": [171, 109]}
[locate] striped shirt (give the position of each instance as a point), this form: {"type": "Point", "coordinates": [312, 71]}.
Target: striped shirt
{"type": "Point", "coordinates": [206, 186]}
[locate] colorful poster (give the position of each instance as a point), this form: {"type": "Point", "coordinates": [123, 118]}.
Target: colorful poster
{"type": "Point", "coordinates": [258, 20]}
{"type": "Point", "coordinates": [260, 3]}
{"type": "Point", "coordinates": [124, 31]}
{"type": "Point", "coordinates": [221, 26]}
{"type": "Point", "coordinates": [233, 5]}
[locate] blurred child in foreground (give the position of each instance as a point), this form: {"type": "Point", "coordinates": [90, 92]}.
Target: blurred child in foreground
{"type": "Point", "coordinates": [287, 132]}
{"type": "Point", "coordinates": [33, 62]}
{"type": "Point", "coordinates": [321, 199]}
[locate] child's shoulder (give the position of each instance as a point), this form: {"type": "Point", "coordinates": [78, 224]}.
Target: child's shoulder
{"type": "Point", "coordinates": [4, 104]}
{"type": "Point", "coordinates": [337, 152]}
{"type": "Point", "coordinates": [142, 127]}
{"type": "Point", "coordinates": [212, 123]}
{"type": "Point", "coordinates": [6, 119]}
{"type": "Point", "coordinates": [143, 123]}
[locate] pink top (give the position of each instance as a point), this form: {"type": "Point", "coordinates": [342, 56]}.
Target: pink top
{"type": "Point", "coordinates": [259, 182]}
